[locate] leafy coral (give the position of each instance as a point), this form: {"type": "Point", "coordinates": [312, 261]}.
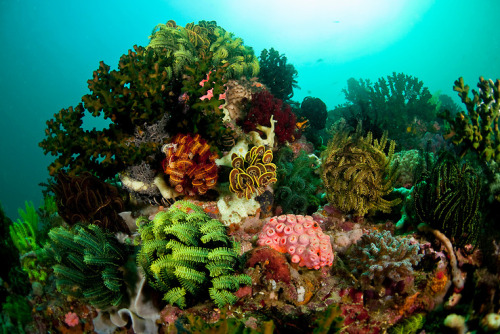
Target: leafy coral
{"type": "Point", "coordinates": [186, 254]}
{"type": "Point", "coordinates": [357, 174]}
{"type": "Point", "coordinates": [139, 93]}
{"type": "Point", "coordinates": [477, 129]}
{"type": "Point", "coordinates": [88, 264]}
{"type": "Point", "coordinates": [447, 198]}
{"type": "Point", "coordinates": [278, 76]}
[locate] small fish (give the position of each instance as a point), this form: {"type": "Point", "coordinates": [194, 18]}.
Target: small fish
{"type": "Point", "coordinates": [302, 125]}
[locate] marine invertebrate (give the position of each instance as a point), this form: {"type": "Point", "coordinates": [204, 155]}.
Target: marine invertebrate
{"type": "Point", "coordinates": [277, 74]}
{"type": "Point", "coordinates": [477, 129]}
{"type": "Point", "coordinates": [391, 104]}
{"type": "Point", "coordinates": [299, 236]}
{"type": "Point", "coordinates": [205, 39]}
{"type": "Point", "coordinates": [274, 262]}
{"type": "Point", "coordinates": [88, 264]}
{"type": "Point", "coordinates": [410, 325]}
{"type": "Point", "coordinates": [314, 110]}
{"type": "Point", "coordinates": [357, 174]}
{"type": "Point", "coordinates": [252, 173]}
{"type": "Point", "coordinates": [86, 199]}
{"type": "Point", "coordinates": [297, 184]}
{"type": "Point", "coordinates": [447, 199]}
{"type": "Point", "coordinates": [190, 164]}
{"type": "Point", "coordinates": [139, 93]}
{"type": "Point", "coordinates": [187, 255]}
{"type": "Point", "coordinates": [378, 256]}
{"type": "Point", "coordinates": [263, 106]}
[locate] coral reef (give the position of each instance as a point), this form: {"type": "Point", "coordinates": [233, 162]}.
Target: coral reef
{"type": "Point", "coordinates": [379, 256]}
{"type": "Point", "coordinates": [263, 106]}
{"type": "Point", "coordinates": [447, 198]}
{"type": "Point", "coordinates": [299, 236]}
{"type": "Point", "coordinates": [190, 165]}
{"type": "Point", "coordinates": [186, 254]}
{"type": "Point", "coordinates": [252, 173]}
{"type": "Point", "coordinates": [477, 129]}
{"type": "Point", "coordinates": [356, 173]}
{"type": "Point", "coordinates": [88, 264]}
{"type": "Point", "coordinates": [276, 74]}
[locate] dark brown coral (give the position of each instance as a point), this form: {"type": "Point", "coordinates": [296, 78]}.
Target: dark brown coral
{"type": "Point", "coordinates": [86, 199]}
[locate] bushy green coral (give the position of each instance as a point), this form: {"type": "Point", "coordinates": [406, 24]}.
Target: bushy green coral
{"type": "Point", "coordinates": [139, 93]}
{"type": "Point", "coordinates": [25, 235]}
{"type": "Point", "coordinates": [187, 255]}
{"type": "Point", "coordinates": [278, 76]}
{"type": "Point", "coordinates": [379, 255]}
{"type": "Point", "coordinates": [409, 325]}
{"type": "Point", "coordinates": [88, 264]}
{"type": "Point", "coordinates": [477, 128]}
{"type": "Point", "coordinates": [447, 199]}
{"type": "Point", "coordinates": [357, 174]}
{"type": "Point", "coordinates": [297, 186]}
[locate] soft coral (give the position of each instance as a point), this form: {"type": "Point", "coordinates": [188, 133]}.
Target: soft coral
{"type": "Point", "coordinates": [263, 105]}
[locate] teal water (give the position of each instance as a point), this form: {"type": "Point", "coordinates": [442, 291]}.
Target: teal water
{"type": "Point", "coordinates": [50, 49]}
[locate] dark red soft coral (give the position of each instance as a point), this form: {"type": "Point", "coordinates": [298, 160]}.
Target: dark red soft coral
{"type": "Point", "coordinates": [274, 263]}
{"type": "Point", "coordinates": [263, 105]}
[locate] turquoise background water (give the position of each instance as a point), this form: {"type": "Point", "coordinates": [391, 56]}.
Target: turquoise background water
{"type": "Point", "coordinates": [49, 50]}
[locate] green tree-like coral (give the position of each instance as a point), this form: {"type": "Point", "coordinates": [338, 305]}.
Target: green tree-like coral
{"type": "Point", "coordinates": [477, 129]}
{"type": "Point", "coordinates": [139, 93]}
{"type": "Point", "coordinates": [447, 199]}
{"type": "Point", "coordinates": [185, 254]}
{"type": "Point", "coordinates": [88, 264]}
{"type": "Point", "coordinates": [394, 103]}
{"type": "Point", "coordinates": [357, 173]}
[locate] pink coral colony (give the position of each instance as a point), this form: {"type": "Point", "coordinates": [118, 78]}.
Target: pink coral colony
{"type": "Point", "coordinates": [299, 236]}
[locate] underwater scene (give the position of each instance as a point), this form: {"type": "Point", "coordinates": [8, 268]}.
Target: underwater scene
{"type": "Point", "coordinates": [258, 167]}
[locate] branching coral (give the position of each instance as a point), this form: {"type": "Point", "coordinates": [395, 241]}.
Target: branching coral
{"type": "Point", "coordinates": [447, 198]}
{"type": "Point", "coordinates": [276, 74]}
{"type": "Point", "coordinates": [391, 103]}
{"type": "Point", "coordinates": [477, 129]}
{"type": "Point", "coordinates": [297, 183]}
{"type": "Point", "coordinates": [185, 254]}
{"type": "Point", "coordinates": [252, 173]}
{"type": "Point", "coordinates": [357, 174]}
{"type": "Point", "coordinates": [190, 164]}
{"type": "Point", "coordinates": [88, 264]}
{"type": "Point", "coordinates": [140, 92]}
{"type": "Point", "coordinates": [263, 106]}
{"type": "Point", "coordinates": [378, 256]}
{"type": "Point", "coordinates": [87, 199]}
